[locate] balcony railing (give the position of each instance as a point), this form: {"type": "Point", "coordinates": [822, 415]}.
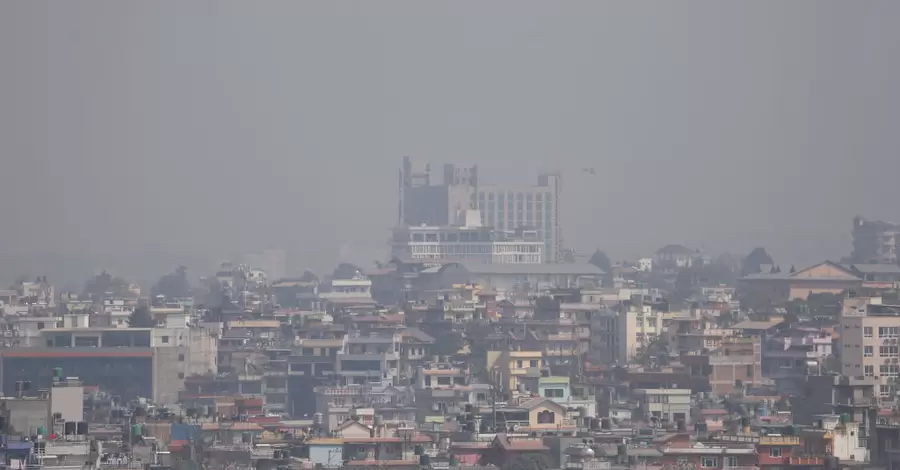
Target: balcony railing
{"type": "Point", "coordinates": [779, 440]}
{"type": "Point", "coordinates": [816, 460]}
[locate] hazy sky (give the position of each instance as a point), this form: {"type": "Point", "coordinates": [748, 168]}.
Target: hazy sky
{"type": "Point", "coordinates": [157, 130]}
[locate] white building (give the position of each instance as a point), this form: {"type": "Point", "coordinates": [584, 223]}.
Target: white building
{"type": "Point", "coordinates": [469, 241]}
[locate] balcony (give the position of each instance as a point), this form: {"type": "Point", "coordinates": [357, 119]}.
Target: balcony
{"type": "Point", "coordinates": [818, 461]}
{"type": "Point", "coordinates": [779, 440]}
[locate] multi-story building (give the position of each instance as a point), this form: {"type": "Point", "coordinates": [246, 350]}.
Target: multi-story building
{"type": "Point", "coordinates": [875, 241]}
{"type": "Point", "coordinates": [511, 369]}
{"type": "Point", "coordinates": [734, 366]}
{"type": "Point", "coordinates": [469, 241]}
{"type": "Point", "coordinates": [664, 405]}
{"type": "Point", "coordinates": [505, 207]}
{"type": "Point", "coordinates": [128, 362]}
{"type": "Point", "coordinates": [870, 341]}
{"type": "Point", "coordinates": [368, 358]}
{"type": "Point", "coordinates": [619, 334]}
{"type": "Point", "coordinates": [510, 207]}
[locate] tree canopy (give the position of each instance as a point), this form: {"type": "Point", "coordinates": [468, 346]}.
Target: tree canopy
{"type": "Point", "coordinates": [448, 344]}
{"type": "Point", "coordinates": [141, 318]}
{"type": "Point", "coordinates": [173, 285]}
{"type": "Point", "coordinates": [753, 263]}
{"type": "Point", "coordinates": [345, 271]}
{"type": "Point", "coordinates": [600, 260]}
{"type": "Point", "coordinates": [103, 284]}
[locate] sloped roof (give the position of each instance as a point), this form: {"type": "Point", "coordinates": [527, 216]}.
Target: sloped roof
{"type": "Point", "coordinates": [874, 268]}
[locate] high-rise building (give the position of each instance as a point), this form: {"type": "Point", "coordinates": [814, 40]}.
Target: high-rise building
{"type": "Point", "coordinates": [425, 201]}
{"type": "Point", "coordinates": [529, 207]}
{"type": "Point", "coordinates": [875, 241]}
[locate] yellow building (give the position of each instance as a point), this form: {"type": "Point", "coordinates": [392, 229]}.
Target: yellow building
{"type": "Point", "coordinates": [508, 367]}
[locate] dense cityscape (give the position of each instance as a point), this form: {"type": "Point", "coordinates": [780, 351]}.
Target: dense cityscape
{"type": "Point", "coordinates": [482, 342]}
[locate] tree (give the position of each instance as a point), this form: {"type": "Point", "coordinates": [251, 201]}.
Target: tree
{"type": "Point", "coordinates": [600, 260]}
{"type": "Point", "coordinates": [345, 271]}
{"type": "Point", "coordinates": [141, 318]}
{"type": "Point", "coordinates": [173, 285]}
{"type": "Point", "coordinates": [753, 263]}
{"type": "Point", "coordinates": [448, 344]}
{"type": "Point", "coordinates": [105, 284]}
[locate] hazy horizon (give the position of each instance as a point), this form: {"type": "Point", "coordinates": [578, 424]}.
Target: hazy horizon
{"type": "Point", "coordinates": [140, 135]}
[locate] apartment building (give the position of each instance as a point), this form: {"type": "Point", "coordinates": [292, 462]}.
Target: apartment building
{"type": "Point", "coordinates": [618, 334]}
{"type": "Point", "coordinates": [510, 370]}
{"type": "Point", "coordinates": [375, 357]}
{"type": "Point", "coordinates": [735, 365]}
{"type": "Point", "coordinates": [664, 405]}
{"type": "Point", "coordinates": [870, 341]}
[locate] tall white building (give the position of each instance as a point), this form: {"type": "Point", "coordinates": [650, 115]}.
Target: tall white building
{"type": "Point", "coordinates": [468, 242]}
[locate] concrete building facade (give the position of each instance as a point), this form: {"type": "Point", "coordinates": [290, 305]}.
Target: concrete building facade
{"type": "Point", "coordinates": [422, 200]}
{"type": "Point", "coordinates": [869, 344]}
{"type": "Point", "coordinates": [469, 241]}
{"type": "Point", "coordinates": [875, 241]}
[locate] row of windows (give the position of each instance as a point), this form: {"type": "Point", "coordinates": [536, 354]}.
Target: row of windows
{"type": "Point", "coordinates": [883, 351]}
{"type": "Point", "coordinates": [883, 331]}
{"type": "Point", "coordinates": [888, 370]}
{"type": "Point", "coordinates": [484, 249]}
{"type": "Point", "coordinates": [517, 196]}
{"type": "Point", "coordinates": [713, 462]}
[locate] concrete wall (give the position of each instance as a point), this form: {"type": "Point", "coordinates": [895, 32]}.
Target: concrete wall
{"type": "Point", "coordinates": [69, 401]}
{"type": "Point", "coordinates": [168, 375]}
{"type": "Point", "coordinates": [26, 415]}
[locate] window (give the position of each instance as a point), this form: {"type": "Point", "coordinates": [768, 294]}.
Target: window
{"type": "Point", "coordinates": [888, 331]}
{"type": "Point", "coordinates": [869, 371]}
{"type": "Point", "coordinates": [709, 462]}
{"type": "Point", "coordinates": [868, 351]}
{"type": "Point", "coordinates": [867, 331]}
{"type": "Point", "coordinates": [165, 340]}
{"type": "Point", "coordinates": [775, 452]}
{"type": "Point", "coordinates": [546, 417]}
